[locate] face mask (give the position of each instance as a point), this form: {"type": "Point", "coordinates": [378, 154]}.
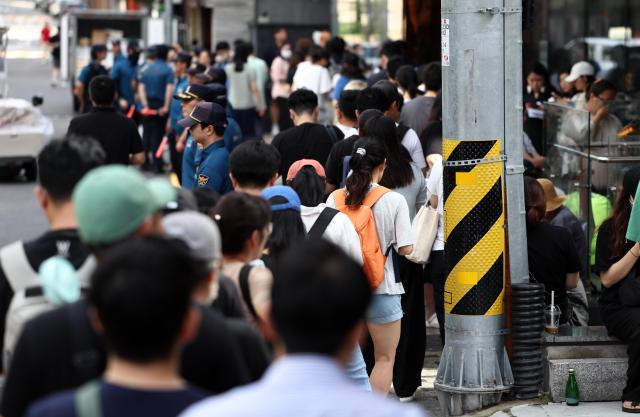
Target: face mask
{"type": "Point", "coordinates": [286, 53]}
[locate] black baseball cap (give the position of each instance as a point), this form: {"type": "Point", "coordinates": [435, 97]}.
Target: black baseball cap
{"type": "Point", "coordinates": [218, 92]}
{"type": "Point", "coordinates": [205, 113]}
{"type": "Point", "coordinates": [196, 92]}
{"type": "Point", "coordinates": [213, 75]}
{"type": "Point", "coordinates": [196, 68]}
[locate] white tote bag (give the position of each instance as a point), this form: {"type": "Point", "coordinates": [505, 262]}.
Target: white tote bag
{"type": "Point", "coordinates": [425, 228]}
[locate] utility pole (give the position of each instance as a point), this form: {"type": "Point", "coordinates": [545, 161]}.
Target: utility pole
{"type": "Point", "coordinates": [483, 167]}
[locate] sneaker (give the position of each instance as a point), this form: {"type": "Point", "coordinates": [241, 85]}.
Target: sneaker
{"type": "Point", "coordinates": [432, 322]}
{"type": "Point", "coordinates": [407, 399]}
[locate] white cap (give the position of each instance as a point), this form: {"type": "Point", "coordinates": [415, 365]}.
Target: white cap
{"type": "Point", "coordinates": [578, 70]}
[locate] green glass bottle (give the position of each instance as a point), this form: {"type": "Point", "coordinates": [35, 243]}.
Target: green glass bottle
{"type": "Point", "coordinates": [572, 393]}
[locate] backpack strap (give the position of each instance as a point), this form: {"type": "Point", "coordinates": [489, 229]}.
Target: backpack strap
{"type": "Point", "coordinates": [395, 259]}
{"type": "Point", "coordinates": [244, 289]}
{"type": "Point", "coordinates": [374, 195]}
{"type": "Point", "coordinates": [87, 400]}
{"type": "Point", "coordinates": [322, 222]}
{"type": "Point", "coordinates": [345, 169]}
{"type": "Point", "coordinates": [85, 271]}
{"type": "Point", "coordinates": [401, 131]}
{"type": "Point", "coordinates": [17, 268]}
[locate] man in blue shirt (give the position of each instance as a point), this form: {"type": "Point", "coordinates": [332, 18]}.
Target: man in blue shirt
{"type": "Point", "coordinates": [175, 113]}
{"type": "Point", "coordinates": [232, 134]}
{"type": "Point", "coordinates": [116, 50]}
{"type": "Point", "coordinates": [123, 73]}
{"type": "Point", "coordinates": [91, 70]}
{"type": "Point", "coordinates": [207, 123]}
{"type": "Point", "coordinates": [155, 90]}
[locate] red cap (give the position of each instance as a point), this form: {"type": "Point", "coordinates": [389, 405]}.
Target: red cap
{"type": "Point", "coordinates": [293, 169]}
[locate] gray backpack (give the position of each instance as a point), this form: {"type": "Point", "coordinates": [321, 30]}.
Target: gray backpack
{"type": "Point", "coordinates": [28, 300]}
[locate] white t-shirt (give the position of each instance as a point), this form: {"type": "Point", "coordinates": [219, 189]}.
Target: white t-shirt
{"type": "Point", "coordinates": [312, 77]}
{"type": "Point", "coordinates": [340, 231]}
{"type": "Point", "coordinates": [346, 130]}
{"type": "Point", "coordinates": [434, 186]}
{"type": "Point", "coordinates": [391, 214]}
{"type": "Point", "coordinates": [411, 141]}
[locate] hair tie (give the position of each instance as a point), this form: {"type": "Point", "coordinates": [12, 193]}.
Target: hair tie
{"type": "Point", "coordinates": [361, 151]}
{"type": "Point", "coordinates": [217, 217]}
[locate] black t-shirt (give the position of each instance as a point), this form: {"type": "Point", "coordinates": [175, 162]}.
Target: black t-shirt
{"type": "Point", "coordinates": [334, 166]}
{"type": "Point", "coordinates": [228, 302]}
{"type": "Point", "coordinates": [50, 357]}
{"type": "Point", "coordinates": [552, 255]}
{"type": "Point", "coordinates": [604, 260]}
{"type": "Point", "coordinates": [64, 243]}
{"type": "Point", "coordinates": [307, 141]}
{"type": "Point", "coordinates": [117, 134]}
{"type": "Point", "coordinates": [118, 401]}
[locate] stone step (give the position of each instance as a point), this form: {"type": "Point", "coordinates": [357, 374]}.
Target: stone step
{"type": "Point", "coordinates": [599, 379]}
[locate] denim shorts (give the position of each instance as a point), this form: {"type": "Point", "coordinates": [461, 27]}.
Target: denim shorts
{"type": "Point", "coordinates": [384, 308]}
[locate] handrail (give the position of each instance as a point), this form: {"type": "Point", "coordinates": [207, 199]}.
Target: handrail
{"type": "Point", "coordinates": [604, 159]}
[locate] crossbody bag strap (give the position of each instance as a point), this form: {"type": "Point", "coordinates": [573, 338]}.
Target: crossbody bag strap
{"type": "Point", "coordinates": [87, 400]}
{"type": "Point", "coordinates": [322, 222]}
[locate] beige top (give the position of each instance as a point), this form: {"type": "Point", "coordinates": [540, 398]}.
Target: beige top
{"type": "Point", "coordinates": [260, 282]}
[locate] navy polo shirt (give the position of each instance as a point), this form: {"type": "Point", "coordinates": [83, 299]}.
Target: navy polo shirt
{"type": "Point", "coordinates": [85, 74]}
{"type": "Point", "coordinates": [155, 77]}
{"type": "Point", "coordinates": [232, 134]}
{"type": "Point", "coordinates": [175, 113]}
{"type": "Point", "coordinates": [189, 155]}
{"type": "Point", "coordinates": [212, 168]}
{"type": "Point", "coordinates": [123, 74]}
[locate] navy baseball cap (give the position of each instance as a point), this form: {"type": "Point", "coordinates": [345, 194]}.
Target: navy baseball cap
{"type": "Point", "coordinates": [196, 92]}
{"type": "Point", "coordinates": [196, 68]}
{"type": "Point", "coordinates": [213, 75]}
{"type": "Point", "coordinates": [218, 92]}
{"type": "Point", "coordinates": [287, 193]}
{"type": "Point", "coordinates": [205, 113]}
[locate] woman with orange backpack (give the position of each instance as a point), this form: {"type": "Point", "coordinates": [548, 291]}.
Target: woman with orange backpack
{"type": "Point", "coordinates": [381, 218]}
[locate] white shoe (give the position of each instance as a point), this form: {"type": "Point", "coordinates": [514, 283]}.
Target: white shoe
{"type": "Point", "coordinates": [432, 322]}
{"type": "Point", "coordinates": [407, 399]}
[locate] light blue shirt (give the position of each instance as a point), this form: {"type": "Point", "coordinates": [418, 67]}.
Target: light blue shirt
{"type": "Point", "coordinates": [302, 386]}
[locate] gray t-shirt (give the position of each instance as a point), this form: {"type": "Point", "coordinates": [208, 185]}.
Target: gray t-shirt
{"type": "Point", "coordinates": [415, 193]}
{"type": "Point", "coordinates": [240, 95]}
{"type": "Point", "coordinates": [415, 113]}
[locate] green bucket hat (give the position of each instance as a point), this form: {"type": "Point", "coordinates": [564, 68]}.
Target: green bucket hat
{"type": "Point", "coordinates": [111, 202]}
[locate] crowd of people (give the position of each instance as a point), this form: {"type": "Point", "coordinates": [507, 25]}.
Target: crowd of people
{"type": "Point", "coordinates": [274, 262]}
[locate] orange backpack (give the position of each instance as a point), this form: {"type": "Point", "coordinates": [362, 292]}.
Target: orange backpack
{"type": "Point", "coordinates": [362, 218]}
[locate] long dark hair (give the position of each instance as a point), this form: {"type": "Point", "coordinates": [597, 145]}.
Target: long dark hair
{"type": "Point", "coordinates": [622, 211]}
{"type": "Point", "coordinates": [368, 154]}
{"type": "Point", "coordinates": [351, 66]}
{"type": "Point", "coordinates": [408, 79]}
{"type": "Point", "coordinates": [398, 172]}
{"type": "Point", "coordinates": [288, 229]}
{"type": "Point", "coordinates": [240, 56]}
{"type": "Point", "coordinates": [309, 186]}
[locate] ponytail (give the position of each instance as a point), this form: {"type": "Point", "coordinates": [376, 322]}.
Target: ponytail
{"type": "Point", "coordinates": [368, 154]}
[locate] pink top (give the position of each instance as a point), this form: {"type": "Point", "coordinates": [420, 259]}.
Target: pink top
{"type": "Point", "coordinates": [279, 71]}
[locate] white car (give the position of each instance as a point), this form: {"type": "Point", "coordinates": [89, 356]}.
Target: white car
{"type": "Point", "coordinates": [24, 130]}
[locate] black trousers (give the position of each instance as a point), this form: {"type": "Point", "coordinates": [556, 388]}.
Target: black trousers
{"type": "Point", "coordinates": [153, 128]}
{"type": "Point", "coordinates": [624, 323]}
{"type": "Point", "coordinates": [437, 276]}
{"type": "Point", "coordinates": [407, 369]}
{"type": "Point", "coordinates": [176, 157]}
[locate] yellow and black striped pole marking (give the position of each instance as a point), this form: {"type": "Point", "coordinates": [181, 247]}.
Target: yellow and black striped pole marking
{"type": "Point", "coordinates": [474, 228]}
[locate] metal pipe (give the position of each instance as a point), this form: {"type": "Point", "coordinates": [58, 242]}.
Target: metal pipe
{"type": "Point", "coordinates": [482, 101]}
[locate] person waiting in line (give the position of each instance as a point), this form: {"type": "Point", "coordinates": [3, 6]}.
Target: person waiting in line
{"type": "Point", "coordinates": [244, 95]}
{"type": "Point", "coordinates": [616, 263]}
{"type": "Point", "coordinates": [346, 109]}
{"type": "Point", "coordinates": [407, 136]}
{"type": "Point", "coordinates": [308, 139]}
{"type": "Point", "coordinates": [287, 226]}
{"type": "Point", "coordinates": [144, 335]}
{"type": "Point", "coordinates": [155, 88]}
{"type": "Point", "coordinates": [582, 75]}
{"type": "Point", "coordinates": [404, 177]}
{"type": "Point", "coordinates": [393, 226]}
{"type": "Point", "coordinates": [253, 166]}
{"type": "Point", "coordinates": [350, 70]}
{"type": "Point", "coordinates": [416, 112]}
{"type": "Point", "coordinates": [118, 135]}
{"type": "Point", "coordinates": [407, 80]}
{"type": "Point", "coordinates": [558, 215]}
{"type": "Point", "coordinates": [318, 335]}
{"type": "Point", "coordinates": [553, 257]}
{"type": "Point", "coordinates": [207, 123]}
{"type": "Point", "coordinates": [537, 93]}
{"type": "Point", "coordinates": [280, 90]}
{"type": "Point", "coordinates": [200, 233]}
{"type": "Point", "coordinates": [306, 177]}
{"type": "Point", "coordinates": [244, 222]}
{"type": "Point", "coordinates": [431, 137]}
